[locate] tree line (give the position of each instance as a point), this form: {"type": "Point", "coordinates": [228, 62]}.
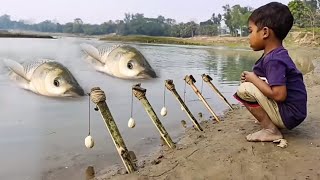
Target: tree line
{"type": "Point", "coordinates": [305, 12]}
{"type": "Point", "coordinates": [137, 24]}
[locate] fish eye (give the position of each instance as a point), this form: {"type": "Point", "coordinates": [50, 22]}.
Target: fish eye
{"type": "Point", "coordinates": [130, 65]}
{"type": "Point", "coordinates": [56, 83]}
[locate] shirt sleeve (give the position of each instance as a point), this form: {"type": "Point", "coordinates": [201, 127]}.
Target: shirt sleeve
{"type": "Point", "coordinates": [276, 73]}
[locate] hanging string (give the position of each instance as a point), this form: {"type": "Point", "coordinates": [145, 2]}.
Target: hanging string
{"type": "Point", "coordinates": [131, 104]}
{"type": "Point", "coordinates": [201, 86]}
{"type": "Point", "coordinates": [164, 96]}
{"type": "Point", "coordinates": [89, 114]}
{"type": "Point", "coordinates": [184, 92]}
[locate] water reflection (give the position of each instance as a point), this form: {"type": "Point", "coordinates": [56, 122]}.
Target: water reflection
{"type": "Point", "coordinates": [227, 64]}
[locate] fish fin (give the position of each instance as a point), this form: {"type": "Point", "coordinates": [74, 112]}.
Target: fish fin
{"type": "Point", "coordinates": [91, 51]}
{"type": "Point", "coordinates": [21, 81]}
{"type": "Point", "coordinates": [105, 50]}
{"type": "Point", "coordinates": [16, 67]}
{"type": "Point", "coordinates": [17, 73]}
{"type": "Point", "coordinates": [31, 66]}
{"type": "Point", "coordinates": [95, 62]}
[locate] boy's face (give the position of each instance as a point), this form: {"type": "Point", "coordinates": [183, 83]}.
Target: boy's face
{"type": "Point", "coordinates": [256, 37]}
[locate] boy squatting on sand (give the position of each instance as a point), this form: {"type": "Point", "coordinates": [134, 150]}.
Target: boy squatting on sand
{"type": "Point", "coordinates": [280, 100]}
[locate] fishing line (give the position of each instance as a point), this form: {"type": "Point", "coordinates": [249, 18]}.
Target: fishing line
{"type": "Point", "coordinates": [184, 92]}
{"type": "Point", "coordinates": [164, 96]}
{"type": "Point", "coordinates": [131, 104]}
{"type": "Point", "coordinates": [89, 114]}
{"type": "Point", "coordinates": [131, 122]}
{"type": "Point", "coordinates": [201, 86]}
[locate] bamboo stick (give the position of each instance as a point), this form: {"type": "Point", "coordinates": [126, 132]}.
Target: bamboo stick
{"type": "Point", "coordinates": [190, 80]}
{"type": "Point", "coordinates": [140, 94]}
{"type": "Point", "coordinates": [98, 97]}
{"type": "Point", "coordinates": [171, 87]}
{"type": "Point", "coordinates": [208, 79]}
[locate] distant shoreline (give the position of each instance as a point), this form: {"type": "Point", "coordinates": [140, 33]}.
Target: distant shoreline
{"type": "Point", "coordinates": [198, 40]}
{"type": "Point", "coordinates": [23, 35]}
{"type": "Point", "coordinates": [296, 38]}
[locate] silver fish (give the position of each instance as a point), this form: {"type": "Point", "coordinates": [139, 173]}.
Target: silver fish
{"type": "Point", "coordinates": [122, 61]}
{"type": "Point", "coordinates": [45, 77]}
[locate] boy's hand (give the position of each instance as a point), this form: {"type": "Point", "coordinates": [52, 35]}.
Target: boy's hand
{"type": "Point", "coordinates": [249, 76]}
{"type": "Point", "coordinates": [243, 78]}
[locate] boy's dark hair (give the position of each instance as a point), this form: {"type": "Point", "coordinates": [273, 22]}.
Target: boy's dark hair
{"type": "Point", "coordinates": [275, 16]}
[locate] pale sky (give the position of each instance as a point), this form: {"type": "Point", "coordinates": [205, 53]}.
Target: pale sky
{"type": "Point", "coordinates": [99, 11]}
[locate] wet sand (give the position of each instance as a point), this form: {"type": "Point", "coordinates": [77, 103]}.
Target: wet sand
{"type": "Point", "coordinates": [222, 152]}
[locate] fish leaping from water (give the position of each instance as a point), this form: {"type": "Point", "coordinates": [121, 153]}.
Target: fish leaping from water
{"type": "Point", "coordinates": [122, 61]}
{"type": "Point", "coordinates": [45, 77]}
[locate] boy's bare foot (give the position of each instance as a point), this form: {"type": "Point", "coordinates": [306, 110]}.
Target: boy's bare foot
{"type": "Point", "coordinates": [265, 135]}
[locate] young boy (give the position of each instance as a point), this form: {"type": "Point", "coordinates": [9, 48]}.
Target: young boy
{"type": "Point", "coordinates": [274, 92]}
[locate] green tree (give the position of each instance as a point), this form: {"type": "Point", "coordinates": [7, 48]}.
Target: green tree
{"type": "Point", "coordinates": [131, 24]}
{"type": "Point", "coordinates": [68, 28]}
{"type": "Point", "coordinates": [236, 18]}
{"type": "Point", "coordinates": [298, 9]}
{"type": "Point", "coordinates": [216, 19]}
{"type": "Point", "coordinates": [209, 30]}
{"type": "Point", "coordinates": [311, 4]}
{"type": "Point", "coordinates": [228, 18]}
{"type": "Point", "coordinates": [5, 22]}
{"type": "Point", "coordinates": [108, 27]}
{"type": "Point", "coordinates": [306, 13]}
{"type": "Point", "coordinates": [121, 28]}
{"type": "Point", "coordinates": [59, 28]}
{"type": "Point", "coordinates": [47, 26]}
{"type": "Point", "coordinates": [127, 18]}
{"type": "Point", "coordinates": [77, 26]}
{"type": "Point", "coordinates": [313, 18]}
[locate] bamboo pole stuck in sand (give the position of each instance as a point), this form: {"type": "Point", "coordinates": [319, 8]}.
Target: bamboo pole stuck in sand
{"type": "Point", "coordinates": [208, 79]}
{"type": "Point", "coordinates": [171, 87]}
{"type": "Point", "coordinates": [190, 80]}
{"type": "Point", "coordinates": [98, 97]}
{"type": "Point", "coordinates": [140, 94]}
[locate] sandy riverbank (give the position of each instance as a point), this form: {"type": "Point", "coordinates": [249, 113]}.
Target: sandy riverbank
{"type": "Point", "coordinates": [221, 151]}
